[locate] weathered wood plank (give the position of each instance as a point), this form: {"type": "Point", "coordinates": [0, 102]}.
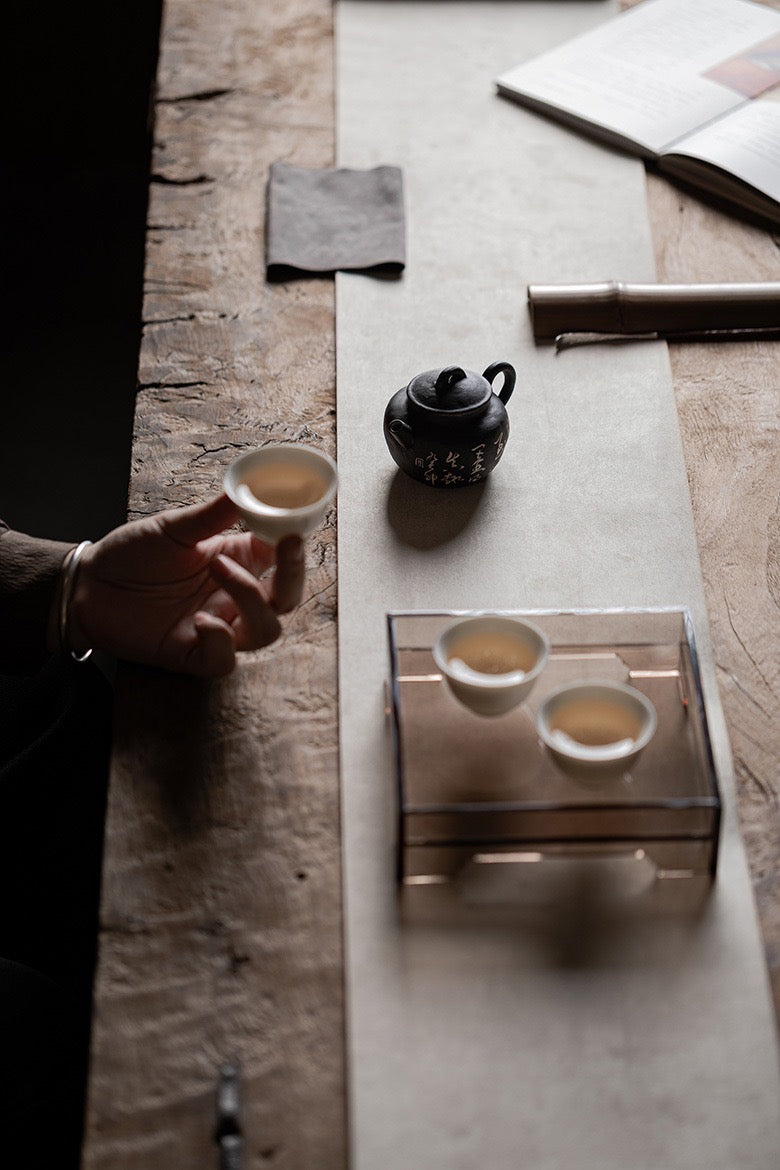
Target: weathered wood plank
{"type": "Point", "coordinates": [220, 931]}
{"type": "Point", "coordinates": [727, 398]}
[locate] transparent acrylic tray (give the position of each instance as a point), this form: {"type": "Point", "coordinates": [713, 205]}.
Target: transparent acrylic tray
{"type": "Point", "coordinates": [470, 786]}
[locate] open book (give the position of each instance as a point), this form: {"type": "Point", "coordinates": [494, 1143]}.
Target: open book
{"type": "Point", "coordinates": [693, 85]}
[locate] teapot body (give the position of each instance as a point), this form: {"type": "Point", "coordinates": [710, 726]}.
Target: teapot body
{"type": "Point", "coordinates": [448, 440]}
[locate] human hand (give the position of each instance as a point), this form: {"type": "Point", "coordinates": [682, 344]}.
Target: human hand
{"type": "Point", "coordinates": [176, 591]}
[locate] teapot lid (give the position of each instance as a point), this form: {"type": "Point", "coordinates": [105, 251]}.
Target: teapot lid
{"type": "Point", "coordinates": [452, 391]}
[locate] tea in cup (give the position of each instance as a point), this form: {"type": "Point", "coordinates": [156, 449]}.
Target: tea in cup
{"type": "Point", "coordinates": [596, 730]}
{"type": "Point", "coordinates": [491, 662]}
{"type": "Point", "coordinates": [281, 489]}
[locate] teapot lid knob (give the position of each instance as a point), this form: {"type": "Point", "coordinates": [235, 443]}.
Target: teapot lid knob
{"type": "Point", "coordinates": [448, 376]}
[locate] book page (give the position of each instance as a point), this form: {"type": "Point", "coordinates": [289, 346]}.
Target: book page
{"type": "Point", "coordinates": [651, 74]}
{"type": "Point", "coordinates": [746, 144]}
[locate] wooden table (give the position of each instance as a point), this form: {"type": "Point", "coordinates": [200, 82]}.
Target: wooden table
{"type": "Point", "coordinates": [220, 921]}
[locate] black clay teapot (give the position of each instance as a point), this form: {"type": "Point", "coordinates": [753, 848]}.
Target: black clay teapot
{"type": "Point", "coordinates": [448, 428]}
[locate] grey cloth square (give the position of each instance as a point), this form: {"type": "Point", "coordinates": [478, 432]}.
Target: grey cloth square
{"type": "Point", "coordinates": [320, 220]}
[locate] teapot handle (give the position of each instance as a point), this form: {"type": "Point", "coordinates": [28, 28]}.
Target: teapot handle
{"type": "Point", "coordinates": [402, 433]}
{"type": "Point", "coordinates": [509, 378]}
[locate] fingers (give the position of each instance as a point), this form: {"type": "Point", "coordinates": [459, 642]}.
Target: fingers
{"type": "Point", "coordinates": [207, 523]}
{"type": "Point", "coordinates": [198, 521]}
{"type": "Point", "coordinates": [259, 625]}
{"type": "Point", "coordinates": [290, 572]}
{"type": "Point", "coordinates": [248, 550]}
{"type": "Point", "coordinates": [215, 651]}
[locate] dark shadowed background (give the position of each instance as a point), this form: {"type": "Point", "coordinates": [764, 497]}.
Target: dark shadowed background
{"type": "Point", "coordinates": [77, 136]}
{"type": "Point", "coordinates": [76, 160]}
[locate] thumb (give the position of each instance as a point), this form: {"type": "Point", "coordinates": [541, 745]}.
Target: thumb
{"type": "Point", "coordinates": [198, 521]}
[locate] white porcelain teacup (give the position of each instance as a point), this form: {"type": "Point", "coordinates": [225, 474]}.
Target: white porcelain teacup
{"type": "Point", "coordinates": [596, 730]}
{"type": "Point", "coordinates": [490, 662]}
{"type": "Point", "coordinates": [281, 489]}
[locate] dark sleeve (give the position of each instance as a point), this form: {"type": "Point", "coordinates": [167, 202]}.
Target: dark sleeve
{"type": "Point", "coordinates": [29, 580]}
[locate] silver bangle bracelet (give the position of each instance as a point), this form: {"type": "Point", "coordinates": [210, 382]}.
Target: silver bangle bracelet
{"type": "Point", "coordinates": [69, 574]}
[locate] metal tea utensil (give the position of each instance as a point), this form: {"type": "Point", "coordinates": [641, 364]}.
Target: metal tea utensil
{"type": "Point", "coordinates": [227, 1133]}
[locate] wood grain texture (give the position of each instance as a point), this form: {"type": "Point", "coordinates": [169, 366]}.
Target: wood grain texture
{"type": "Point", "coordinates": [221, 915]}
{"type": "Point", "coordinates": [728, 401]}
{"type": "Point", "coordinates": [220, 920]}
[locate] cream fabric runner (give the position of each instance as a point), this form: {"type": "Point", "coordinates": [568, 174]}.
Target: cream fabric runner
{"type": "Point", "coordinates": [481, 1048]}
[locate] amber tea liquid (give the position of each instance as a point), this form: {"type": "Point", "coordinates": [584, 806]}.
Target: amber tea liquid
{"type": "Point", "coordinates": [493, 653]}
{"type": "Point", "coordinates": [286, 485]}
{"type": "Point", "coordinates": [595, 722]}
